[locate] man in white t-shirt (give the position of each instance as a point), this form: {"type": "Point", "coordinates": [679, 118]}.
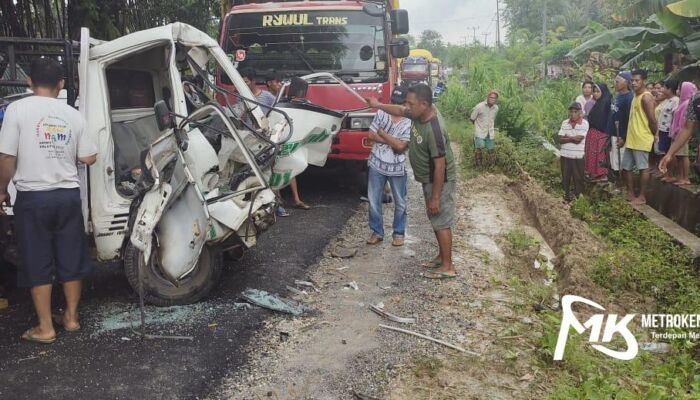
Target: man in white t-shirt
{"type": "Point", "coordinates": [41, 142]}
{"type": "Point", "coordinates": [572, 138]}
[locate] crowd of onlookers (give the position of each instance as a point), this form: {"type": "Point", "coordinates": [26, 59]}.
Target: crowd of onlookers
{"type": "Point", "coordinates": [644, 126]}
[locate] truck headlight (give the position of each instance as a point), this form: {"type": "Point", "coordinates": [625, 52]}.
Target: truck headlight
{"type": "Point", "coordinates": [360, 122]}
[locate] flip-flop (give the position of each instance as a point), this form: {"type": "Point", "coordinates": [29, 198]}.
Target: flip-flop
{"type": "Point", "coordinates": [432, 274]}
{"type": "Point", "coordinates": [27, 336]}
{"type": "Point", "coordinates": [432, 264]}
{"type": "Point", "coordinates": [58, 320]}
{"type": "Point", "coordinates": [301, 206]}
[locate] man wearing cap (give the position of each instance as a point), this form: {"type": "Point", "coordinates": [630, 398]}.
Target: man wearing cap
{"type": "Point", "coordinates": [387, 163]}
{"type": "Point", "coordinates": [572, 140]}
{"type": "Point", "coordinates": [484, 119]}
{"type": "Point", "coordinates": [434, 167]}
{"type": "Point", "coordinates": [619, 118]}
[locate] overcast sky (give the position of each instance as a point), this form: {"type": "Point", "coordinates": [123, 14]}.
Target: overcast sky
{"type": "Point", "coordinates": [454, 19]}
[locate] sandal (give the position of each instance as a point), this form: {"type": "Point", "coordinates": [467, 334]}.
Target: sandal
{"type": "Point", "coordinates": [301, 206]}
{"type": "Point", "coordinates": [432, 274]}
{"type": "Point", "coordinates": [58, 320]}
{"type": "Point", "coordinates": [27, 335]}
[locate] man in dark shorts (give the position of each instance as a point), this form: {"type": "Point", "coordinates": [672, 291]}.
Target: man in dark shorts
{"type": "Point", "coordinates": [433, 166]}
{"type": "Point", "coordinates": [41, 142]}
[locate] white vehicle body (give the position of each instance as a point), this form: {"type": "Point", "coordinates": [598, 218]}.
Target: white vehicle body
{"type": "Point", "coordinates": [199, 199]}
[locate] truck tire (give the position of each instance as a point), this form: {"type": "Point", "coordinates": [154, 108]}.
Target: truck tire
{"type": "Point", "coordinates": [161, 292]}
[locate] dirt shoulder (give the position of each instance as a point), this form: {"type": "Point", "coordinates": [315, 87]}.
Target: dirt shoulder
{"type": "Point", "coordinates": [339, 349]}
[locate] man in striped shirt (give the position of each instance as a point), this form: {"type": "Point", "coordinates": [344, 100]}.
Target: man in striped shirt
{"type": "Point", "coordinates": [572, 138]}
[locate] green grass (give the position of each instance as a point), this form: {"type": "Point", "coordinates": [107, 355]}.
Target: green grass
{"type": "Point", "coordinates": [520, 241]}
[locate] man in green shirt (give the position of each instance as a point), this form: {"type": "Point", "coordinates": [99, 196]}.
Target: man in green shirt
{"type": "Point", "coordinates": [433, 166]}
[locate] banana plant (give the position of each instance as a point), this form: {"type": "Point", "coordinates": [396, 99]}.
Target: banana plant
{"type": "Point", "coordinates": [669, 30]}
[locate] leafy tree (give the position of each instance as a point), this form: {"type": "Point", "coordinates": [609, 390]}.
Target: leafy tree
{"type": "Point", "coordinates": [664, 34]}
{"type": "Point", "coordinates": [432, 40]}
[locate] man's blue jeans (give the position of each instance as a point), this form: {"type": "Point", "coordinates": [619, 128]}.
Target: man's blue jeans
{"type": "Point", "coordinates": [375, 192]}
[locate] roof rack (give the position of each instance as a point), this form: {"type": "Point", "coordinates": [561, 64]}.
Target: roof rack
{"type": "Point", "coordinates": [16, 54]}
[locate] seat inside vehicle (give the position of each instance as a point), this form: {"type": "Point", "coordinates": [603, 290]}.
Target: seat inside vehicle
{"type": "Point", "coordinates": [135, 84]}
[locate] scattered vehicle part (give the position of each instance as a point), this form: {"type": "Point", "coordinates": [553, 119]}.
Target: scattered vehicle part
{"type": "Point", "coordinates": [402, 320]}
{"type": "Point", "coordinates": [393, 328]}
{"type": "Point", "coordinates": [297, 291]}
{"type": "Point", "coordinates": [656, 347]}
{"type": "Point", "coordinates": [273, 302]}
{"type": "Point", "coordinates": [307, 284]}
{"type": "Point", "coordinates": [352, 285]}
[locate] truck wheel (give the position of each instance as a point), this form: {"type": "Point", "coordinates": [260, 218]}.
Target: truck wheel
{"type": "Point", "coordinates": [160, 291]}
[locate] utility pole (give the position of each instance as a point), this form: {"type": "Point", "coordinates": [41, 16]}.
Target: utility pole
{"type": "Point", "coordinates": [498, 25]}
{"type": "Point", "coordinates": [474, 28]}
{"type": "Point", "coordinates": [486, 35]}
{"type": "Point", "coordinates": [544, 35]}
{"type": "Point", "coordinates": [466, 43]}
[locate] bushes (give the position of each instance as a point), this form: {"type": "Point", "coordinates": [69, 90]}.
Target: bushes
{"type": "Point", "coordinates": [537, 108]}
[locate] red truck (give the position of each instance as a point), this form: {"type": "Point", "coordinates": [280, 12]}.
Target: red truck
{"type": "Point", "coordinates": [353, 40]}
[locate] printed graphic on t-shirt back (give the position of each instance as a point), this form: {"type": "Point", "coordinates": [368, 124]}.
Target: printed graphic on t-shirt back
{"type": "Point", "coordinates": [53, 137]}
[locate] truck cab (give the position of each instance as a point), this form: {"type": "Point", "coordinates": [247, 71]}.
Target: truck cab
{"type": "Point", "coordinates": [352, 40]}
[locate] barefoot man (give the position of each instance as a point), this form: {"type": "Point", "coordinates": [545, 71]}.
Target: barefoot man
{"type": "Point", "coordinates": [640, 137]}
{"type": "Point", "coordinates": [433, 166]}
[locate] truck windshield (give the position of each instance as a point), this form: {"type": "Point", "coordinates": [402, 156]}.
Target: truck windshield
{"type": "Point", "coordinates": [347, 43]}
{"type": "Point", "coordinates": [415, 67]}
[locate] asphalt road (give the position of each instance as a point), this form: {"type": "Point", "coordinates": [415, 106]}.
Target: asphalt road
{"type": "Point", "coordinates": [107, 360]}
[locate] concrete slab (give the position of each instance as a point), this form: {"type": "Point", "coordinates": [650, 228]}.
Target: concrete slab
{"type": "Point", "coordinates": [686, 238]}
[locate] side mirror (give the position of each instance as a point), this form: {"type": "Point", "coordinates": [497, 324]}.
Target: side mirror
{"type": "Point", "coordinates": [399, 48]}
{"type": "Point", "coordinates": [298, 88]}
{"type": "Point", "coordinates": [164, 118]}
{"type": "Point", "coordinates": [399, 22]}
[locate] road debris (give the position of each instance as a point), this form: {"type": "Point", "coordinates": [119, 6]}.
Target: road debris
{"type": "Point", "coordinates": [297, 291]}
{"type": "Point", "coordinates": [126, 339]}
{"type": "Point", "coordinates": [284, 336]}
{"type": "Point", "coordinates": [273, 302]}
{"type": "Point", "coordinates": [343, 252]}
{"type": "Point", "coordinates": [352, 285]}
{"type": "Point", "coordinates": [307, 284]}
{"type": "Point", "coordinates": [380, 311]}
{"type": "Point", "coordinates": [242, 306]}
{"type": "Point", "coordinates": [360, 396]}
{"type": "Point", "coordinates": [393, 328]}
{"type": "Point", "coordinates": [655, 347]}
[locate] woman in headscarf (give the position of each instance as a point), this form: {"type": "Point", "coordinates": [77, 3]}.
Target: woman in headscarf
{"type": "Point", "coordinates": [687, 91]}
{"type": "Point", "coordinates": [596, 139]}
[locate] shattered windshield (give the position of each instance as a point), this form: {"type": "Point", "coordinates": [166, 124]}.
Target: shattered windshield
{"type": "Point", "coordinates": [342, 42]}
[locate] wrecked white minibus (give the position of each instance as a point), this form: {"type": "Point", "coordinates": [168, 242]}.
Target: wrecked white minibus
{"type": "Point", "coordinates": [179, 179]}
